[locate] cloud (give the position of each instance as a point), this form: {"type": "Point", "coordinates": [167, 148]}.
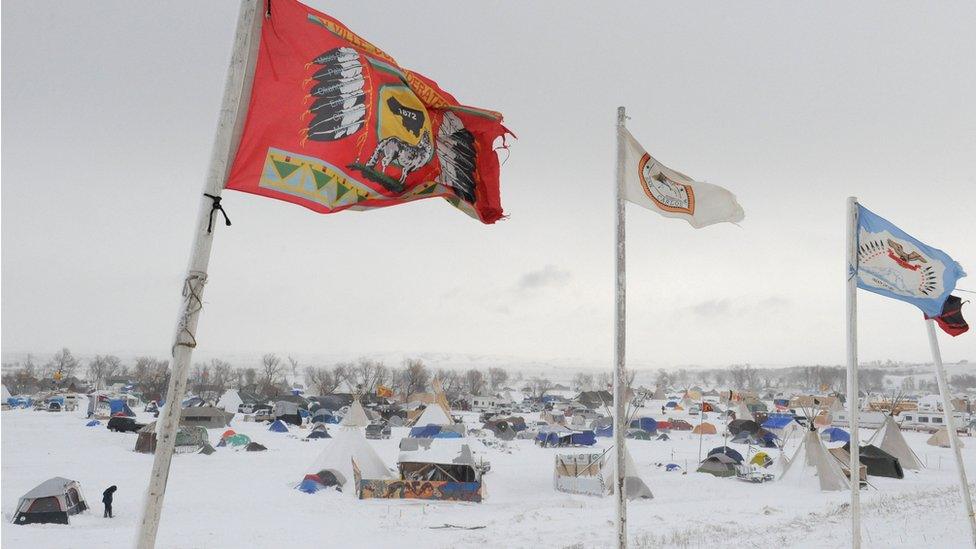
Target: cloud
{"type": "Point", "coordinates": [738, 307]}
{"type": "Point", "coordinates": [549, 276]}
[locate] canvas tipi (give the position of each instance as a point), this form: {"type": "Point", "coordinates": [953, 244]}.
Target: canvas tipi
{"type": "Point", "coordinates": [230, 401]}
{"type": "Point", "coordinates": [742, 411]}
{"type": "Point", "coordinates": [356, 416]}
{"type": "Point", "coordinates": [347, 445]}
{"type": "Point", "coordinates": [812, 465]}
{"type": "Point", "coordinates": [434, 414]}
{"type": "Point", "coordinates": [888, 437]}
{"type": "Point", "coordinates": [941, 439]}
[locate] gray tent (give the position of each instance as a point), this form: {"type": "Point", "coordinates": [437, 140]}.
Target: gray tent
{"type": "Point", "coordinates": [51, 501]}
{"type": "Point", "coordinates": [207, 417]}
{"type": "Point", "coordinates": [719, 465]}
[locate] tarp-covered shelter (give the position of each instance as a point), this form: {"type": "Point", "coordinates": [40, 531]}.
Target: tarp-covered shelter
{"type": "Point", "coordinates": [437, 431]}
{"type": "Point", "coordinates": [878, 462]}
{"type": "Point", "coordinates": [889, 438]}
{"type": "Point", "coordinates": [278, 426]}
{"type": "Point", "coordinates": [594, 473]}
{"type": "Point", "coordinates": [208, 417]}
{"type": "Point", "coordinates": [51, 501]}
{"type": "Point", "coordinates": [288, 412]}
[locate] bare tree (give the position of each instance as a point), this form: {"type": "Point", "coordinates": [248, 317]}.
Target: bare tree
{"type": "Point", "coordinates": [583, 382]}
{"type": "Point", "coordinates": [414, 377]}
{"type": "Point", "coordinates": [497, 378]}
{"type": "Point", "coordinates": [250, 379]}
{"type": "Point", "coordinates": [270, 374]}
{"type": "Point", "coordinates": [323, 380]}
{"type": "Point", "coordinates": [221, 376]}
{"type": "Point", "coordinates": [293, 364]}
{"type": "Point", "coordinates": [604, 381]}
{"type": "Point", "coordinates": [474, 381]}
{"type": "Point", "coordinates": [540, 386]}
{"type": "Point", "coordinates": [368, 373]}
{"type": "Point", "coordinates": [451, 382]}
{"type": "Point", "coordinates": [62, 361]}
{"type": "Point", "coordinates": [152, 376]}
{"type": "Point", "coordinates": [101, 368]}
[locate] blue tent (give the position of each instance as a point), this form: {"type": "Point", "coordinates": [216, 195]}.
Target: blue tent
{"type": "Point", "coordinates": [777, 421]}
{"type": "Point", "coordinates": [20, 402]}
{"type": "Point", "coordinates": [672, 467]}
{"type": "Point", "coordinates": [834, 434]}
{"type": "Point", "coordinates": [671, 404]}
{"type": "Point", "coordinates": [727, 451]}
{"type": "Point", "coordinates": [118, 406]}
{"type": "Point", "coordinates": [427, 431]}
{"type": "Point", "coordinates": [278, 426]}
{"type": "Point", "coordinates": [604, 431]}
{"type": "Point", "coordinates": [309, 486]}
{"type": "Point", "coordinates": [58, 399]}
{"type": "Point", "coordinates": [648, 424]}
{"type": "Point", "coordinates": [319, 434]}
{"type": "Point", "coordinates": [582, 438]}
{"type": "Point", "coordinates": [303, 413]}
{"type": "Point", "coordinates": [93, 423]}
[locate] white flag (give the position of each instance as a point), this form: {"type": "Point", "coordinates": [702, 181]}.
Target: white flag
{"type": "Point", "coordinates": [653, 185]}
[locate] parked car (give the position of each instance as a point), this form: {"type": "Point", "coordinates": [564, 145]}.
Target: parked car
{"type": "Point", "coordinates": [378, 431]}
{"type": "Point", "coordinates": [122, 424]}
{"type": "Point", "coordinates": [263, 414]}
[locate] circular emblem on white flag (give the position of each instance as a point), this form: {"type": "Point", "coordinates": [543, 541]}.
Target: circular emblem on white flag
{"type": "Point", "coordinates": [895, 265]}
{"type": "Point", "coordinates": [667, 194]}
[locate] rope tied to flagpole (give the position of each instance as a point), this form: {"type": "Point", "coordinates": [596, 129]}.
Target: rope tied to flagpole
{"type": "Point", "coordinates": [192, 290]}
{"type": "Point", "coordinates": [214, 209]}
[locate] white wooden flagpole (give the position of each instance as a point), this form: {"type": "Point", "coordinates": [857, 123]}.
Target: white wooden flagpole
{"type": "Point", "coordinates": [620, 340]}
{"type": "Point", "coordinates": [237, 91]}
{"type": "Point", "coordinates": [950, 424]}
{"type": "Point", "coordinates": [852, 400]}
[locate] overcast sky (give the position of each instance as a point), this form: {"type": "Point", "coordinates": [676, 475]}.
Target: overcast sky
{"type": "Point", "coordinates": [109, 110]}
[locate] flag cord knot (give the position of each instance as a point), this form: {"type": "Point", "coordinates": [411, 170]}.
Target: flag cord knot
{"type": "Point", "coordinates": [214, 209]}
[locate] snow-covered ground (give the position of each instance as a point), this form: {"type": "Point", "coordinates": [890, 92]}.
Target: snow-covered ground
{"type": "Point", "coordinates": [247, 499]}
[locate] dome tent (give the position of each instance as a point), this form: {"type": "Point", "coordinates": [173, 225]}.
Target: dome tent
{"type": "Point", "coordinates": [278, 426]}
{"type": "Point", "coordinates": [51, 501]}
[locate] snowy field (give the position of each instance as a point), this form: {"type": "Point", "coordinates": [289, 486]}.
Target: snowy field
{"type": "Point", "coordinates": [247, 499]}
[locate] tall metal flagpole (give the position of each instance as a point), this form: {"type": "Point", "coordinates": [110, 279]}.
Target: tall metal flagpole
{"type": "Point", "coordinates": [852, 400]}
{"type": "Point", "coordinates": [237, 91]}
{"type": "Point", "coordinates": [950, 424]}
{"type": "Point", "coordinates": [620, 340]}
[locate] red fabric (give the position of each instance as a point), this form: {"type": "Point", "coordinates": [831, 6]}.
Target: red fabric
{"type": "Point", "coordinates": [325, 102]}
{"type": "Point", "coordinates": [951, 320]}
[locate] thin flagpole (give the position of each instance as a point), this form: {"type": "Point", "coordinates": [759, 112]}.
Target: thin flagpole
{"type": "Point", "coordinates": [852, 400]}
{"type": "Point", "coordinates": [237, 90]}
{"type": "Point", "coordinates": [950, 424]}
{"type": "Point", "coordinates": [620, 339]}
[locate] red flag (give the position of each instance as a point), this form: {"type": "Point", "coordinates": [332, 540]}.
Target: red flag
{"type": "Point", "coordinates": [335, 123]}
{"type": "Point", "coordinates": [951, 320]}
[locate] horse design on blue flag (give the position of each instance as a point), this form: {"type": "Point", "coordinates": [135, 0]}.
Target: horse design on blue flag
{"type": "Point", "coordinates": [892, 263]}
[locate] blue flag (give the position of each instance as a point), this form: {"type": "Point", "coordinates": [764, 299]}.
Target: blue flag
{"type": "Point", "coordinates": [892, 263]}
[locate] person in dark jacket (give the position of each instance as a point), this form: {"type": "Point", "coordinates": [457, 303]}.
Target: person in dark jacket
{"type": "Point", "coordinates": [107, 500]}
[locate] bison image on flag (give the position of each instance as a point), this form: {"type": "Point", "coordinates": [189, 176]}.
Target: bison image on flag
{"type": "Point", "coordinates": [335, 123]}
{"type": "Point", "coordinates": [894, 264]}
{"type": "Point", "coordinates": [653, 185]}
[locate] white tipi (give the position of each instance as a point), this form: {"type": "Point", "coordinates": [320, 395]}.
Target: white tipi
{"type": "Point", "coordinates": [813, 465]}
{"type": "Point", "coordinates": [349, 444]}
{"type": "Point", "coordinates": [888, 437]}
{"type": "Point", "coordinates": [635, 486]}
{"type": "Point", "coordinates": [356, 416]}
{"type": "Point", "coordinates": [434, 414]}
